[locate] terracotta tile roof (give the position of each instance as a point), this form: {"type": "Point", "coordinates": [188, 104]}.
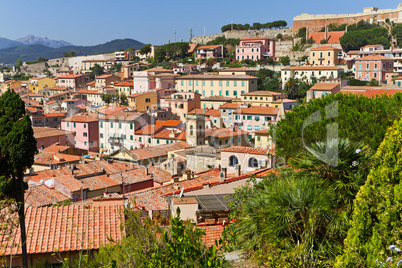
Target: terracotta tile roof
{"type": "Point", "coordinates": [217, 98]}
{"type": "Point", "coordinates": [239, 69]}
{"type": "Point", "coordinates": [373, 45]}
{"type": "Point", "coordinates": [312, 68]}
{"type": "Point", "coordinates": [197, 111]}
{"type": "Point", "coordinates": [50, 158]}
{"type": "Point", "coordinates": [254, 38]}
{"type": "Point", "coordinates": [104, 76]}
{"type": "Point", "coordinates": [157, 69]}
{"type": "Point", "coordinates": [325, 86]}
{"type": "Point", "coordinates": [224, 132]}
{"type": "Point", "coordinates": [158, 150]}
{"type": "Point", "coordinates": [258, 110]}
{"type": "Point", "coordinates": [262, 131]}
{"type": "Point", "coordinates": [149, 130]}
{"type": "Point", "coordinates": [82, 118]}
{"type": "Point", "coordinates": [209, 47]}
{"type": "Point", "coordinates": [229, 105]}
{"type": "Point", "coordinates": [56, 148]}
{"type": "Point", "coordinates": [166, 75]}
{"type": "Point", "coordinates": [218, 77]}
{"type": "Point", "coordinates": [50, 102]}
{"type": "Point", "coordinates": [123, 115]}
{"type": "Point", "coordinates": [99, 182]}
{"type": "Point", "coordinates": [213, 112]}
{"type": "Point", "coordinates": [168, 123]}
{"type": "Point", "coordinates": [66, 228]}
{"type": "Point", "coordinates": [264, 93]}
{"type": "Point", "coordinates": [44, 132]}
{"type": "Point", "coordinates": [124, 84]}
{"type": "Point", "coordinates": [141, 94]}
{"type": "Point", "coordinates": [374, 57]}
{"type": "Point", "coordinates": [71, 76]}
{"type": "Point", "coordinates": [111, 110]}
{"type": "Point", "coordinates": [333, 37]}
{"type": "Point", "coordinates": [159, 175]}
{"type": "Point", "coordinates": [41, 195]}
{"type": "Point", "coordinates": [371, 93]}
{"type": "Point", "coordinates": [192, 47]}
{"type": "Point", "coordinates": [245, 150]}
{"type": "Point", "coordinates": [51, 115]}
{"type": "Point", "coordinates": [170, 134]}
{"type": "Point", "coordinates": [326, 48]}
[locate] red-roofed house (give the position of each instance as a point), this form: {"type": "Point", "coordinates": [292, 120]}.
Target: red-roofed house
{"type": "Point", "coordinates": [255, 48]}
{"type": "Point", "coordinates": [181, 103]}
{"type": "Point", "coordinates": [143, 102]}
{"type": "Point", "coordinates": [248, 158]}
{"type": "Point", "coordinates": [143, 137]}
{"type": "Point", "coordinates": [375, 67]}
{"type": "Point", "coordinates": [75, 81]}
{"type": "Point", "coordinates": [86, 128]}
{"type": "Point", "coordinates": [225, 137]}
{"type": "Point", "coordinates": [56, 233]}
{"type": "Point", "coordinates": [209, 52]}
{"type": "Point", "coordinates": [309, 73]}
{"type": "Point", "coordinates": [255, 117]}
{"type": "Point", "coordinates": [331, 37]}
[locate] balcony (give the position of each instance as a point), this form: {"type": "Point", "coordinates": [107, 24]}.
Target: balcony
{"type": "Point", "coordinates": [115, 140]}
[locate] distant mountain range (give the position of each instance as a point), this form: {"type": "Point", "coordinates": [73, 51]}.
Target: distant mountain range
{"type": "Point", "coordinates": [10, 54]}
{"type": "Point", "coordinates": [34, 40]}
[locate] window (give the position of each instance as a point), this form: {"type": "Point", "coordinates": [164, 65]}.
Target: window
{"type": "Point", "coordinates": [182, 82]}
{"type": "Point", "coordinates": [242, 83]}
{"type": "Point", "coordinates": [101, 135]}
{"type": "Point", "coordinates": [124, 136]}
{"type": "Point", "coordinates": [131, 137]}
{"type": "Point", "coordinates": [212, 92]}
{"type": "Point", "coordinates": [220, 83]}
{"type": "Point", "coordinates": [233, 161]}
{"type": "Point", "coordinates": [73, 124]}
{"type": "Point", "coordinates": [258, 138]}
{"type": "Point", "coordinates": [119, 125]}
{"type": "Point", "coordinates": [131, 126]}
{"type": "Point", "coordinates": [85, 143]}
{"type": "Point", "coordinates": [256, 128]}
{"type": "Point", "coordinates": [235, 83]}
{"type": "Point", "coordinates": [249, 127]}
{"type": "Point", "coordinates": [189, 83]}
{"type": "Point", "coordinates": [111, 124]}
{"type": "Point", "coordinates": [257, 118]}
{"type": "Point", "coordinates": [313, 54]}
{"type": "Point", "coordinates": [92, 143]}
{"type": "Point", "coordinates": [235, 93]}
{"type": "Point", "coordinates": [375, 75]}
{"type": "Point", "coordinates": [220, 92]}
{"type": "Point", "coordinates": [227, 92]}
{"type": "Point", "coordinates": [329, 53]}
{"type": "Point", "coordinates": [149, 140]}
{"type": "Point", "coordinates": [212, 83]}
{"type": "Point", "coordinates": [68, 124]}
{"type": "Point", "coordinates": [249, 117]}
{"type": "Point", "coordinates": [253, 163]}
{"type": "Point", "coordinates": [360, 65]}
{"type": "Point", "coordinates": [85, 134]}
{"type": "Point", "coordinates": [157, 141]}
{"type": "Point", "coordinates": [196, 83]}
{"type": "Point", "coordinates": [85, 125]}
{"type": "Point", "coordinates": [203, 83]}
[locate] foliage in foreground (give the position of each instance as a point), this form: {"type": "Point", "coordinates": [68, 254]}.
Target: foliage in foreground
{"type": "Point", "coordinates": [377, 219]}
{"type": "Point", "coordinates": [300, 218]}
{"type": "Point", "coordinates": [149, 245]}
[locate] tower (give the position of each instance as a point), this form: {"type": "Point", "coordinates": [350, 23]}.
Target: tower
{"type": "Point", "coordinates": [195, 127]}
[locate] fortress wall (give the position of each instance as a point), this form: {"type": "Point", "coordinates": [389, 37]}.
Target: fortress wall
{"type": "Point", "coordinates": [316, 22]}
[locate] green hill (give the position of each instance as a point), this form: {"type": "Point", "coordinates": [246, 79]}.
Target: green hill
{"type": "Point", "coordinates": [33, 52]}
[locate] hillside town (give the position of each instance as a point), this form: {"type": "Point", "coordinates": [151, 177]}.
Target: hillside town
{"type": "Point", "coordinates": [196, 125]}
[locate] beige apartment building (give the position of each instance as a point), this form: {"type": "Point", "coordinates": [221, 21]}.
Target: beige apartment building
{"type": "Point", "coordinates": [325, 55]}
{"type": "Point", "coordinates": [217, 85]}
{"type": "Point", "coordinates": [143, 101]}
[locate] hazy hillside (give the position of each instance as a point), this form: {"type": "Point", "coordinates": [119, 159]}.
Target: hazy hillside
{"type": "Point", "coordinates": [32, 52]}
{"type": "Point", "coordinates": [6, 43]}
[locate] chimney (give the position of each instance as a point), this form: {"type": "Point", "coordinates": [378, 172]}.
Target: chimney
{"type": "Point", "coordinates": [146, 170]}
{"type": "Point", "coordinates": [225, 171]}
{"type": "Point", "coordinates": [238, 167]}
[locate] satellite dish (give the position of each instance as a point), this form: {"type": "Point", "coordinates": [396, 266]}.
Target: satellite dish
{"type": "Point", "coordinates": [181, 193]}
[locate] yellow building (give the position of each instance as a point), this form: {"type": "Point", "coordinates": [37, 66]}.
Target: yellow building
{"type": "Point", "coordinates": [124, 87]}
{"type": "Point", "coordinates": [39, 83]}
{"type": "Point", "coordinates": [143, 101]}
{"type": "Point", "coordinates": [262, 98]}
{"type": "Point", "coordinates": [325, 55]}
{"type": "Point", "coordinates": [262, 139]}
{"type": "Point", "coordinates": [88, 64]}
{"type": "Point", "coordinates": [216, 101]}
{"type": "Point", "coordinates": [217, 85]}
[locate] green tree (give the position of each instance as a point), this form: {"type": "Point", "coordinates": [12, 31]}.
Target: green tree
{"type": "Point", "coordinates": [358, 119]}
{"type": "Point", "coordinates": [18, 63]}
{"type": "Point", "coordinates": [117, 67]}
{"type": "Point", "coordinates": [97, 70]}
{"type": "Point", "coordinates": [373, 82]}
{"type": "Point", "coordinates": [291, 87]}
{"type": "Point", "coordinates": [17, 150]}
{"type": "Point", "coordinates": [108, 98]}
{"type": "Point", "coordinates": [397, 33]}
{"type": "Point", "coordinates": [123, 99]}
{"type": "Point", "coordinates": [145, 49]}
{"type": "Point", "coordinates": [377, 221]}
{"type": "Point", "coordinates": [285, 60]}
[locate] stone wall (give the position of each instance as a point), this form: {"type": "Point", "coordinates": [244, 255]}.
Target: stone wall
{"type": "Point", "coordinates": [242, 34]}
{"type": "Point", "coordinates": [316, 22]}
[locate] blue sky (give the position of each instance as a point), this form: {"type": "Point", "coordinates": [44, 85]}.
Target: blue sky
{"type": "Point", "coordinates": [84, 22]}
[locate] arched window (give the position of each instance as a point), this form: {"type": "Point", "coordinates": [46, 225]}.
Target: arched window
{"type": "Point", "coordinates": [191, 130]}
{"type": "Point", "coordinates": [233, 161]}
{"type": "Point", "coordinates": [253, 163]}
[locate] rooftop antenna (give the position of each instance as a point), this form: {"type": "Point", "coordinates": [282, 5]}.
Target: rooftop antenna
{"type": "Point", "coordinates": [191, 33]}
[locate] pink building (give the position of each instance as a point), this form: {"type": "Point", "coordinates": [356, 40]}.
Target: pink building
{"type": "Point", "coordinates": [48, 136]}
{"type": "Point", "coordinates": [255, 117]}
{"type": "Point", "coordinates": [86, 128]}
{"type": "Point", "coordinates": [207, 52]}
{"type": "Point", "coordinates": [374, 67]}
{"type": "Point", "coordinates": [255, 48]}
{"type": "Point", "coordinates": [245, 158]}
{"type": "Point", "coordinates": [154, 78]}
{"type": "Point", "coordinates": [76, 81]}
